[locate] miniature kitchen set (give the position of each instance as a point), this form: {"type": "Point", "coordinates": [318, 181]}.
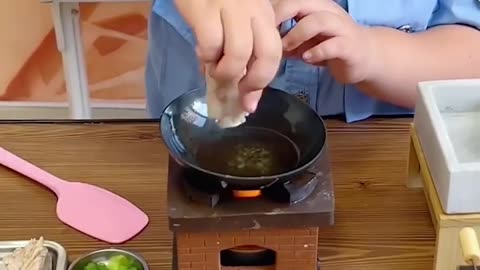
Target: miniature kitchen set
{"type": "Point", "coordinates": [257, 196]}
{"type": "Point", "coordinates": [225, 222]}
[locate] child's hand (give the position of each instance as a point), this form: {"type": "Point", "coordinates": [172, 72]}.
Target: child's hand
{"type": "Point", "coordinates": [325, 34]}
{"type": "Point", "coordinates": [234, 35]}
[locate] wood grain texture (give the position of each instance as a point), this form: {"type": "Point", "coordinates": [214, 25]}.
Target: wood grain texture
{"type": "Point", "coordinates": [380, 224]}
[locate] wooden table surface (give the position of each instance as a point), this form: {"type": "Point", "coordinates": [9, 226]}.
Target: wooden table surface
{"type": "Point", "coordinates": [380, 224]}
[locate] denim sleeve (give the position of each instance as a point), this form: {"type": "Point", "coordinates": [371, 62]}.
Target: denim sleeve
{"type": "Point", "coordinates": [465, 12]}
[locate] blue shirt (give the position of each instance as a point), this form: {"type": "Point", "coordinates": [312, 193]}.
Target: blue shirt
{"type": "Point", "coordinates": [172, 68]}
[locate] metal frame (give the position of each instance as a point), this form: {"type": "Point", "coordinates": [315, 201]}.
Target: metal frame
{"type": "Point", "coordinates": [66, 20]}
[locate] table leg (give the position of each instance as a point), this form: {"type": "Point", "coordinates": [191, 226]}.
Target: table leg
{"type": "Point", "coordinates": [66, 18]}
{"type": "Point", "coordinates": [414, 177]}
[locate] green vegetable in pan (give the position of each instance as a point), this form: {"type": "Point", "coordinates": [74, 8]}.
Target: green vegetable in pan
{"type": "Point", "coordinates": [119, 262]}
{"type": "Point", "coordinates": [96, 266]}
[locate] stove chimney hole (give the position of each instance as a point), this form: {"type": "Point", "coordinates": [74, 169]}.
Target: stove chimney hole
{"type": "Point", "coordinates": [249, 255]}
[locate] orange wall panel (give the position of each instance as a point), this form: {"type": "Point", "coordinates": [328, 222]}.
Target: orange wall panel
{"type": "Point", "coordinates": [115, 42]}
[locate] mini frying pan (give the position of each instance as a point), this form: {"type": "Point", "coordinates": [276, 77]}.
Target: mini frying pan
{"type": "Point", "coordinates": [185, 129]}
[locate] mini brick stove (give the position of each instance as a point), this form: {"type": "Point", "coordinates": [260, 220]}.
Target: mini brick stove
{"type": "Point", "coordinates": [216, 228]}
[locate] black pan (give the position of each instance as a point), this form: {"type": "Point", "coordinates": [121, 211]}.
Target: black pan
{"type": "Point", "coordinates": [284, 137]}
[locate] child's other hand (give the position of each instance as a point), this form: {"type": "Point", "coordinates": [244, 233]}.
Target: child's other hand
{"type": "Point", "coordinates": [234, 35]}
{"type": "Point", "coordinates": [325, 34]}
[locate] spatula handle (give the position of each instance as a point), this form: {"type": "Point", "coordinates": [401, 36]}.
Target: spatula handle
{"type": "Point", "coordinates": [26, 168]}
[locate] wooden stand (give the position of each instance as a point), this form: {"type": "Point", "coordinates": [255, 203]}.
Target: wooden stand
{"type": "Point", "coordinates": [456, 235]}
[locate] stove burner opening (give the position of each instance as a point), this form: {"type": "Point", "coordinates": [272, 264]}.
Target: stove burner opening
{"type": "Point", "coordinates": [209, 191]}
{"type": "Point", "coordinates": [248, 255]}
{"type": "Point", "coordinates": [246, 194]}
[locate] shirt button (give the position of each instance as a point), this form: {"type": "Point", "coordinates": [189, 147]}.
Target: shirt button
{"type": "Point", "coordinates": [406, 28]}
{"type": "Point", "coordinates": [303, 96]}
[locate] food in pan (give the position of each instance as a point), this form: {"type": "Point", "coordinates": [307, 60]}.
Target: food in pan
{"type": "Point", "coordinates": [118, 262]}
{"type": "Point", "coordinates": [249, 151]}
{"type": "Point", "coordinates": [34, 256]}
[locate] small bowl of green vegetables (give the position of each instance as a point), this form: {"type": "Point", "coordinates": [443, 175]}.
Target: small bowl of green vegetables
{"type": "Point", "coordinates": [109, 259]}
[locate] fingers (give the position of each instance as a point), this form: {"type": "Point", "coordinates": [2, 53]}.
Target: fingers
{"type": "Point", "coordinates": [320, 23]}
{"type": "Point", "coordinates": [209, 35]}
{"type": "Point", "coordinates": [298, 52]}
{"type": "Point", "coordinates": [267, 54]}
{"type": "Point", "coordinates": [238, 45]}
{"type": "Point", "coordinates": [237, 37]}
{"type": "Point", "coordinates": [288, 9]}
{"type": "Point", "coordinates": [333, 48]}
{"type": "Point", "coordinates": [251, 99]}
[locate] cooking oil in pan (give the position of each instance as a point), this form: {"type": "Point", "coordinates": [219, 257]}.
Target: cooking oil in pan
{"type": "Point", "coordinates": [249, 152]}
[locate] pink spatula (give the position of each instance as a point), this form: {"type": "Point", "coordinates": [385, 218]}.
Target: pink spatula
{"type": "Point", "coordinates": [89, 209]}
